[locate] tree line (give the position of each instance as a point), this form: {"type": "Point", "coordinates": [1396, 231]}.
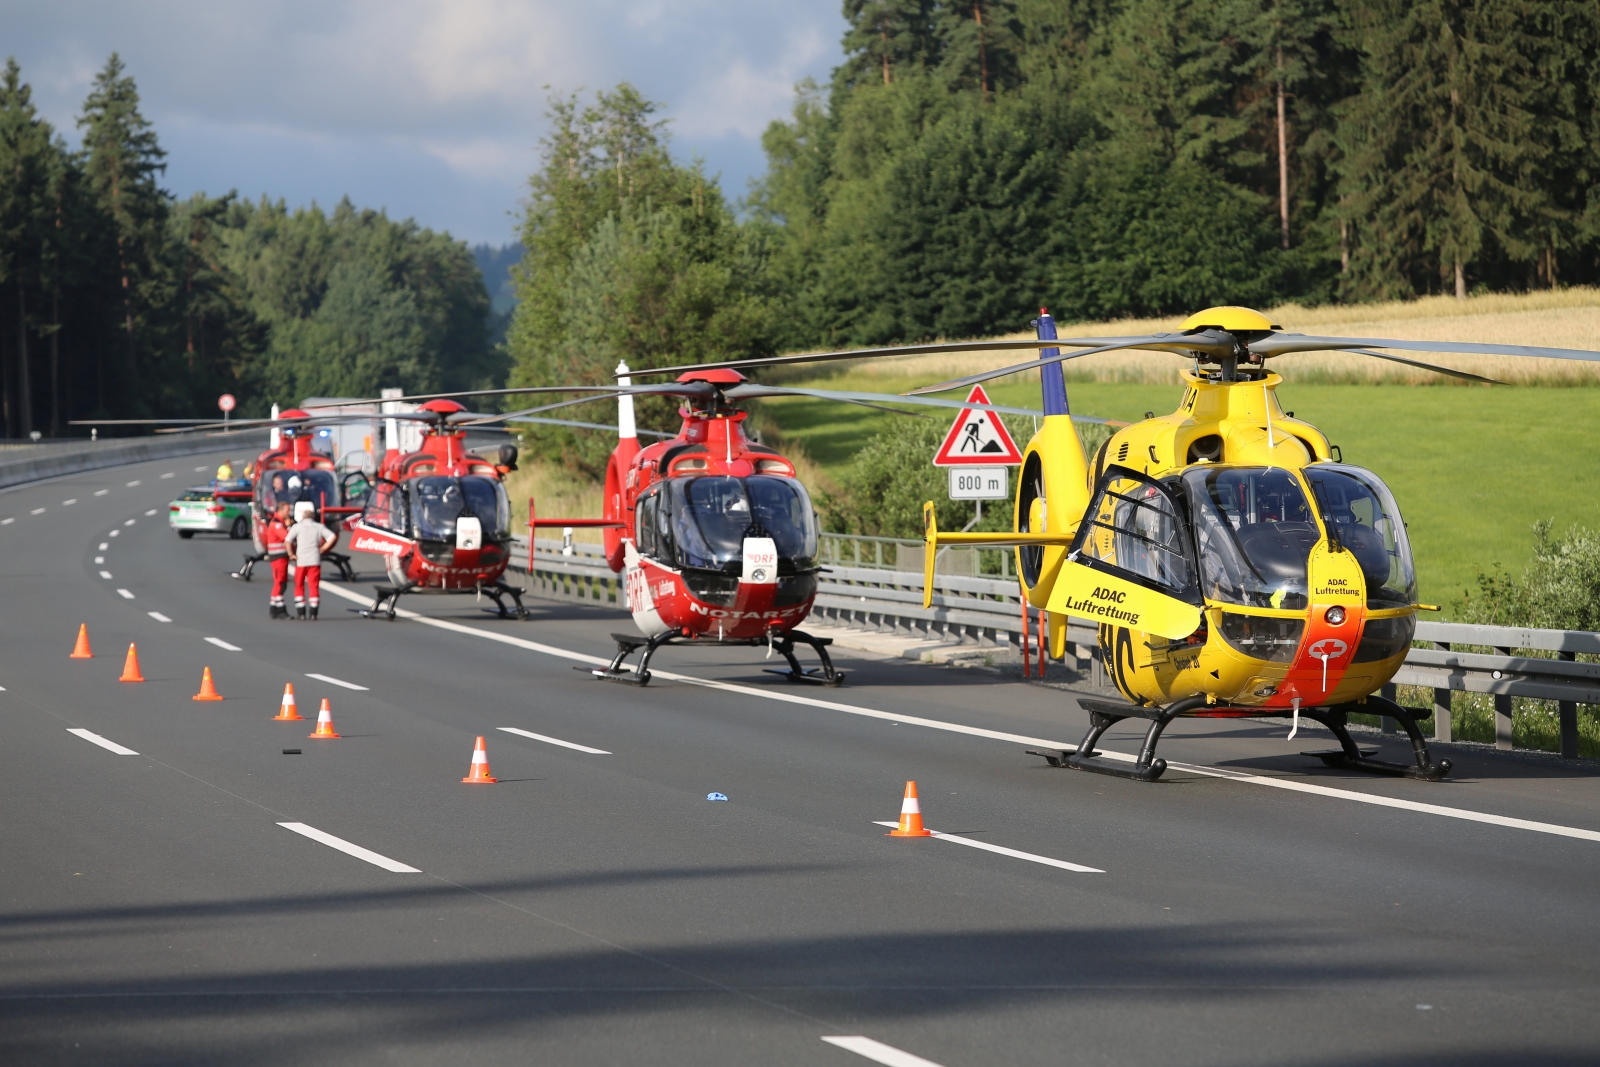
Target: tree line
{"type": "Point", "coordinates": [119, 301]}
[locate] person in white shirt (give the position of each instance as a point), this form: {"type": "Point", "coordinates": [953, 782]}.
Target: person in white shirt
{"type": "Point", "coordinates": [307, 540]}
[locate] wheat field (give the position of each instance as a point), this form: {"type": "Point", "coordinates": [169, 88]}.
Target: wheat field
{"type": "Point", "coordinates": [1562, 318]}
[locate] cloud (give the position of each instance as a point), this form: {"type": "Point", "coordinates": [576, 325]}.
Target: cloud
{"type": "Point", "coordinates": [379, 93]}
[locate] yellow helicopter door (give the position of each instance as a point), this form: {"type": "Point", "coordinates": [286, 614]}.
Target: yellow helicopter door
{"type": "Point", "coordinates": [1133, 561]}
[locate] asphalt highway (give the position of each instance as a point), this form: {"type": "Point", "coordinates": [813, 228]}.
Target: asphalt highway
{"type": "Point", "coordinates": [593, 907]}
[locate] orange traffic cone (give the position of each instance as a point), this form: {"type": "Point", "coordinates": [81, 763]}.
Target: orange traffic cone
{"type": "Point", "coordinates": [479, 771]}
{"type": "Point", "coordinates": [287, 711]}
{"type": "Point", "coordinates": [208, 688]}
{"type": "Point", "coordinates": [130, 667]}
{"type": "Point", "coordinates": [81, 649]}
{"type": "Point", "coordinates": [324, 721]}
{"type": "Point", "coordinates": [910, 816]}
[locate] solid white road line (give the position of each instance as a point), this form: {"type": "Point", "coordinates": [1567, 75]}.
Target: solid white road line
{"type": "Point", "coordinates": [133, 483]}
{"type": "Point", "coordinates": [96, 739]}
{"type": "Point", "coordinates": [1013, 853]}
{"type": "Point", "coordinates": [999, 735]}
{"type": "Point", "coordinates": [106, 575]}
{"type": "Point", "coordinates": [336, 681]}
{"type": "Point", "coordinates": [69, 503]}
{"type": "Point", "coordinates": [558, 741]}
{"type": "Point", "coordinates": [220, 643]}
{"type": "Point", "coordinates": [124, 594]}
{"type": "Point", "coordinates": [346, 847]}
{"type": "Point", "coordinates": [156, 615]}
{"type": "Point", "coordinates": [101, 492]}
{"type": "Point", "coordinates": [878, 1052]}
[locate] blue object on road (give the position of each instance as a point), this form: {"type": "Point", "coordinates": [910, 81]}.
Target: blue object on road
{"type": "Point", "coordinates": [716, 796]}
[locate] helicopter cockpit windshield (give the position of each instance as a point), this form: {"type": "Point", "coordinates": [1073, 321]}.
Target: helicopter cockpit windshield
{"type": "Point", "coordinates": [1367, 522]}
{"type": "Point", "coordinates": [292, 487]}
{"type": "Point", "coordinates": [711, 516]}
{"type": "Point", "coordinates": [438, 501]}
{"type": "Point", "coordinates": [1255, 531]}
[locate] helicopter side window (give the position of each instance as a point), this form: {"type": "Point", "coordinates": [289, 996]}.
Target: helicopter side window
{"type": "Point", "coordinates": [645, 521]}
{"type": "Point", "coordinates": [294, 487]}
{"type": "Point", "coordinates": [386, 508]}
{"type": "Point", "coordinates": [1136, 530]}
{"type": "Point", "coordinates": [1255, 532]}
{"type": "Point", "coordinates": [1361, 512]}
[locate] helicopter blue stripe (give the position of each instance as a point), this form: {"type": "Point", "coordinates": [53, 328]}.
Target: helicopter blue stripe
{"type": "Point", "coordinates": [1052, 380]}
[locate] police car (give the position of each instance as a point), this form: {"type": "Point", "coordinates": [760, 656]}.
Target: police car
{"type": "Point", "coordinates": [220, 508]}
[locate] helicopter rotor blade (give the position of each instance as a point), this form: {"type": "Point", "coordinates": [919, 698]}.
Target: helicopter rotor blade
{"type": "Point", "coordinates": [1213, 343]}
{"type": "Point", "coordinates": [1468, 375]}
{"type": "Point", "coordinates": [757, 391]}
{"type": "Point", "coordinates": [591, 426]}
{"type": "Point", "coordinates": [1285, 343]}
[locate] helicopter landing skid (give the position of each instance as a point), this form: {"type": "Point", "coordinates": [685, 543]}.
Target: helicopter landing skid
{"type": "Point", "coordinates": [250, 561]}
{"type": "Point", "coordinates": [783, 644]}
{"type": "Point", "coordinates": [498, 592]}
{"type": "Point", "coordinates": [626, 644]}
{"type": "Point", "coordinates": [386, 594]}
{"type": "Point", "coordinates": [1350, 755]}
{"type": "Point", "coordinates": [339, 559]}
{"type": "Point", "coordinates": [1146, 768]}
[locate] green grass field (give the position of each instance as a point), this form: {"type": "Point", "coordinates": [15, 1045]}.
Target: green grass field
{"type": "Point", "coordinates": [1473, 467]}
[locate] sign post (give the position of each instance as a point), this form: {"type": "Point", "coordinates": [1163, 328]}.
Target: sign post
{"type": "Point", "coordinates": [227, 403]}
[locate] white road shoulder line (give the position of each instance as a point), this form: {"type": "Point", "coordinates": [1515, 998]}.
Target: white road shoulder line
{"type": "Point", "coordinates": [96, 739]}
{"type": "Point", "coordinates": [1013, 853]}
{"type": "Point", "coordinates": [998, 735]}
{"type": "Point", "coordinates": [156, 615]}
{"type": "Point", "coordinates": [220, 643]}
{"type": "Point", "coordinates": [555, 741]}
{"type": "Point", "coordinates": [124, 594]}
{"type": "Point", "coordinates": [337, 681]}
{"type": "Point", "coordinates": [351, 850]}
{"type": "Point", "coordinates": [878, 1052]}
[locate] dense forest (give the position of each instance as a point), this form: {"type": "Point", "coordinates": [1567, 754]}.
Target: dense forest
{"type": "Point", "coordinates": [118, 301]}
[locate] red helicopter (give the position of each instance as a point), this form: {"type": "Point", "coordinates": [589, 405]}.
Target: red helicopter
{"type": "Point", "coordinates": [293, 472]}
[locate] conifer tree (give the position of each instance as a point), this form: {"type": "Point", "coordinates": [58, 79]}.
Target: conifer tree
{"type": "Point", "coordinates": [25, 167]}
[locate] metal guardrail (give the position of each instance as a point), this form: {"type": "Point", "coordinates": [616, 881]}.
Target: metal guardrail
{"type": "Point", "coordinates": [988, 611]}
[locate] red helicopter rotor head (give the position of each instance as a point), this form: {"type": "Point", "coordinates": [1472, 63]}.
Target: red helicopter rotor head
{"type": "Point", "coordinates": [442, 407]}
{"type": "Point", "coordinates": [294, 413]}
{"type": "Point", "coordinates": [722, 376]}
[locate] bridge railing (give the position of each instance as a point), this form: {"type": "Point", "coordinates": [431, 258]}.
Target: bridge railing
{"type": "Point", "coordinates": [987, 611]}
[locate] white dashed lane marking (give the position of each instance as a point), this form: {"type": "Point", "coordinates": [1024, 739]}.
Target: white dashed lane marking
{"type": "Point", "coordinates": [124, 594]}
{"type": "Point", "coordinates": [156, 615]}
{"type": "Point", "coordinates": [336, 681]}
{"type": "Point", "coordinates": [114, 533]}
{"type": "Point", "coordinates": [130, 522]}
{"type": "Point", "coordinates": [133, 483]}
{"type": "Point", "coordinates": [152, 511]}
{"type": "Point", "coordinates": [220, 643]}
{"type": "Point", "coordinates": [101, 492]}
{"type": "Point", "coordinates": [199, 469]}
{"type": "Point", "coordinates": [37, 511]}
{"type": "Point", "coordinates": [169, 474]}
{"type": "Point", "coordinates": [878, 1052]}
{"type": "Point", "coordinates": [555, 741]}
{"type": "Point", "coordinates": [346, 847]}
{"type": "Point", "coordinates": [99, 559]}
{"type": "Point", "coordinates": [7, 522]}
{"type": "Point", "coordinates": [103, 546]}
{"type": "Point", "coordinates": [109, 746]}
{"type": "Point", "coordinates": [1013, 853]}
{"type": "Point", "coordinates": [106, 575]}
{"type": "Point", "coordinates": [69, 503]}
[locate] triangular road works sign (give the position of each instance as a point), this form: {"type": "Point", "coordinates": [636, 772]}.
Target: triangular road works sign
{"type": "Point", "coordinates": [978, 438]}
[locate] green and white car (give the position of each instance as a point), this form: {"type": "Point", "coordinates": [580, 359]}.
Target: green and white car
{"type": "Point", "coordinates": [212, 509]}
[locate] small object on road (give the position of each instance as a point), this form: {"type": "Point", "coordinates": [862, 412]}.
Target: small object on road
{"type": "Point", "coordinates": [291, 752]}
{"type": "Point", "coordinates": [287, 711]}
{"type": "Point", "coordinates": [324, 721]}
{"type": "Point", "coordinates": [130, 666]}
{"type": "Point", "coordinates": [208, 688]}
{"type": "Point", "coordinates": [716, 796]}
{"type": "Point", "coordinates": [81, 650]}
{"type": "Point", "coordinates": [479, 771]}
{"type": "Point", "coordinates": [910, 816]}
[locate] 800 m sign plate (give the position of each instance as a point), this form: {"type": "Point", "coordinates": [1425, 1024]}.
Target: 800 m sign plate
{"type": "Point", "coordinates": [980, 483]}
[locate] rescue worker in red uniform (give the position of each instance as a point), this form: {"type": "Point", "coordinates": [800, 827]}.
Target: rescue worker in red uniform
{"type": "Point", "coordinates": [276, 538]}
{"type": "Point", "coordinates": [307, 540]}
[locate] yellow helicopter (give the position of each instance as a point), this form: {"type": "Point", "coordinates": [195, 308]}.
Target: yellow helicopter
{"type": "Point", "coordinates": [1237, 567]}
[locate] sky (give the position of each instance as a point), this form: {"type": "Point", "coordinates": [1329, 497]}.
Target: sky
{"type": "Point", "coordinates": [431, 110]}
